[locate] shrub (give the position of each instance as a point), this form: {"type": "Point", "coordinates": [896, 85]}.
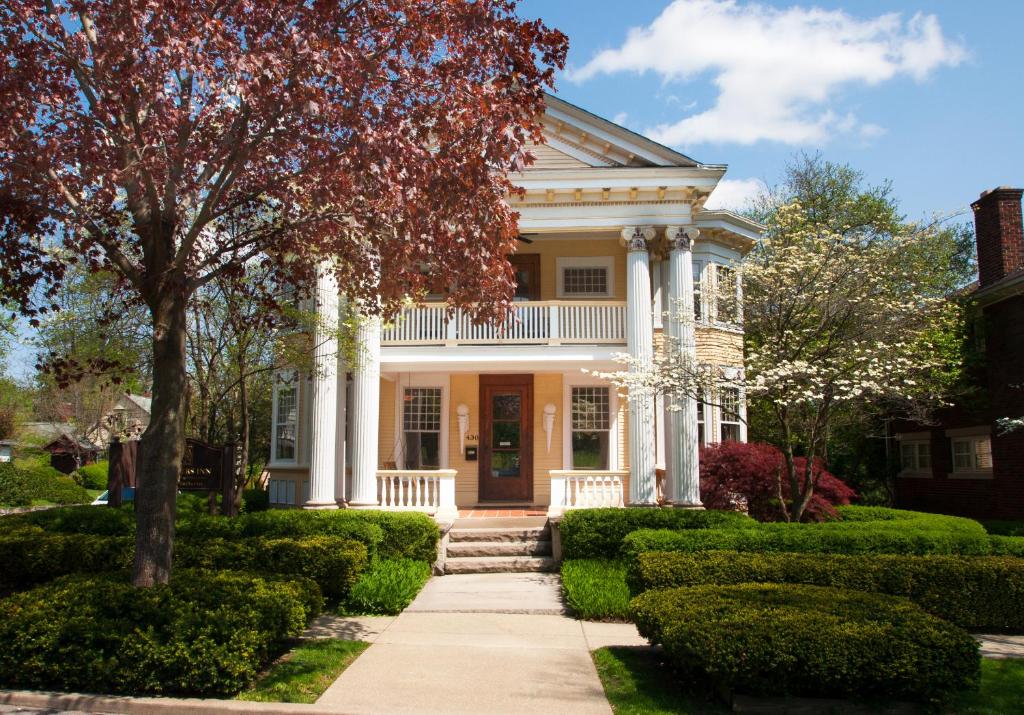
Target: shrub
{"type": "Point", "coordinates": [254, 500]}
{"type": "Point", "coordinates": [16, 488]}
{"type": "Point", "coordinates": [204, 634]}
{"type": "Point", "coordinates": [771, 639]}
{"type": "Point", "coordinates": [1007, 545]}
{"type": "Point", "coordinates": [101, 521]}
{"type": "Point", "coordinates": [1004, 527]}
{"type": "Point", "coordinates": [748, 472]}
{"type": "Point", "coordinates": [387, 587]}
{"type": "Point", "coordinates": [31, 556]}
{"type": "Point", "coordinates": [92, 476]}
{"type": "Point", "coordinates": [974, 592]}
{"type": "Point", "coordinates": [595, 589]}
{"type": "Point", "coordinates": [20, 487]}
{"type": "Point", "coordinates": [598, 533]}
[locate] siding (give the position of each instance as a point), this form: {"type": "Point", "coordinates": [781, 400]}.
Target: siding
{"type": "Point", "coordinates": [550, 158]}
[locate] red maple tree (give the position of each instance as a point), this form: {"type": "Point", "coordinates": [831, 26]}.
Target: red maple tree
{"type": "Point", "coordinates": [375, 132]}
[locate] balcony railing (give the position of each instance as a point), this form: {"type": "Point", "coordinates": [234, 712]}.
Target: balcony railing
{"type": "Point", "coordinates": [431, 491]}
{"type": "Point", "coordinates": [583, 489]}
{"type": "Point", "coordinates": [553, 322]}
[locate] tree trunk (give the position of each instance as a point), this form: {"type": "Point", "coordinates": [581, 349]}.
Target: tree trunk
{"type": "Point", "coordinates": [243, 434]}
{"type": "Point", "coordinates": [163, 446]}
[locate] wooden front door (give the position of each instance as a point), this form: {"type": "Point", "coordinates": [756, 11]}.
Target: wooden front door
{"type": "Point", "coordinates": [506, 438]}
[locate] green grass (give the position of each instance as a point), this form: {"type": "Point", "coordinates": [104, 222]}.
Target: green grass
{"type": "Point", "coordinates": [386, 588]}
{"type": "Point", "coordinates": [640, 682]}
{"type": "Point", "coordinates": [595, 589]}
{"type": "Point", "coordinates": [303, 675]}
{"type": "Point", "coordinates": [637, 681]}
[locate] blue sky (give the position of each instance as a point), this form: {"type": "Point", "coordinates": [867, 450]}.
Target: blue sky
{"type": "Point", "coordinates": [932, 98]}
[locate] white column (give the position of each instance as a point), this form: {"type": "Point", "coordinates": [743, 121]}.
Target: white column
{"type": "Point", "coordinates": [643, 488]}
{"type": "Point", "coordinates": [325, 391]}
{"type": "Point", "coordinates": [683, 489]}
{"type": "Point", "coordinates": [340, 477]}
{"type": "Point", "coordinates": [365, 412]}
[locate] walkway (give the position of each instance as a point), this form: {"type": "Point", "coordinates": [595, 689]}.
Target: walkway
{"type": "Point", "coordinates": [494, 643]}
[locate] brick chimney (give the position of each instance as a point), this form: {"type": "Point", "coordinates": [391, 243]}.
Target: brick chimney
{"type": "Point", "coordinates": [999, 233]}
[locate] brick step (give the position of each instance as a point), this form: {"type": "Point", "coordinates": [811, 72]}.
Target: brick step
{"type": "Point", "coordinates": [526, 547]}
{"type": "Point", "coordinates": [499, 564]}
{"type": "Point", "coordinates": [533, 534]}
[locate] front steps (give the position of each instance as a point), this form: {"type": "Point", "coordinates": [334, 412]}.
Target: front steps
{"type": "Point", "coordinates": [499, 550]}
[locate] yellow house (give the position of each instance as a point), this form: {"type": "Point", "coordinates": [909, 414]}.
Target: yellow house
{"type": "Point", "coordinates": [440, 415]}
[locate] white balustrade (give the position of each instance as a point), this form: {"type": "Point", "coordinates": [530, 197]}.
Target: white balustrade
{"type": "Point", "coordinates": [586, 489]}
{"type": "Point", "coordinates": [532, 322]}
{"type": "Point", "coordinates": [431, 491]}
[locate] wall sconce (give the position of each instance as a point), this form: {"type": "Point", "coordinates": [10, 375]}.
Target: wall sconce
{"type": "Point", "coordinates": [463, 412]}
{"type": "Point", "coordinates": [549, 422]}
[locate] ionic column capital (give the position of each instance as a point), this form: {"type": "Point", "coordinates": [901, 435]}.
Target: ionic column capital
{"type": "Point", "coordinates": [682, 238]}
{"type": "Point", "coordinates": [636, 238]}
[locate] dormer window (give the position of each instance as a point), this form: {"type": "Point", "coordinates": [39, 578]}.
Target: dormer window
{"type": "Point", "coordinates": [586, 277]}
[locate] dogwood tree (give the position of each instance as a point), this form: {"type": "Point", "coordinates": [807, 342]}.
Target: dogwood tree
{"type": "Point", "coordinates": [373, 134]}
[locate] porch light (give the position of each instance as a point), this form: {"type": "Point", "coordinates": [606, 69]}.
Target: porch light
{"type": "Point", "coordinates": [549, 422]}
{"type": "Point", "coordinates": [463, 412]}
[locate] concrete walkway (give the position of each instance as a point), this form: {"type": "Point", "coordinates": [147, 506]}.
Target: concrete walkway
{"type": "Point", "coordinates": [481, 643]}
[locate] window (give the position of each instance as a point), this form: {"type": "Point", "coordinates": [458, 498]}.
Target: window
{"type": "Point", "coordinates": [730, 411]}
{"type": "Point", "coordinates": [591, 427]}
{"type": "Point", "coordinates": [698, 299]}
{"type": "Point", "coordinates": [421, 427]}
{"type": "Point", "coordinates": [915, 456]}
{"type": "Point", "coordinates": [700, 422]}
{"type": "Point", "coordinates": [972, 454]}
{"type": "Point", "coordinates": [286, 422]}
{"type": "Point", "coordinates": [282, 491]}
{"type": "Point", "coordinates": [726, 304]}
{"type": "Point", "coordinates": [585, 277]}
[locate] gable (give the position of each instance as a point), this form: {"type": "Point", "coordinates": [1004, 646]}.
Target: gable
{"type": "Point", "coordinates": [550, 158]}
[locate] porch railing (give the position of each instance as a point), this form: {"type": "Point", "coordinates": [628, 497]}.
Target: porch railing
{"type": "Point", "coordinates": [581, 489]}
{"type": "Point", "coordinates": [535, 322]}
{"type": "Point", "coordinates": [431, 491]}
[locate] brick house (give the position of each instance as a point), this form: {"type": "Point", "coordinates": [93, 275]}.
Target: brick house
{"type": "Point", "coordinates": [966, 464]}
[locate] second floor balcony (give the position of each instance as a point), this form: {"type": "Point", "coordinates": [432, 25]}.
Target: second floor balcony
{"type": "Point", "coordinates": [550, 322]}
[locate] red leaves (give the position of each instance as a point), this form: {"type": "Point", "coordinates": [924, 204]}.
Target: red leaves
{"type": "Point", "coordinates": [733, 472]}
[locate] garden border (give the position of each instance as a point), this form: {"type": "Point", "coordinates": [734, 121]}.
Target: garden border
{"type": "Point", "coordinates": [128, 705]}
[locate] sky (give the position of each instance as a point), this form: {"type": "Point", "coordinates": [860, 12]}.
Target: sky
{"type": "Point", "coordinates": [928, 94]}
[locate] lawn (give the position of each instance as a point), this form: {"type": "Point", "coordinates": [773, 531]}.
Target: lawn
{"type": "Point", "coordinates": [638, 682]}
{"type": "Point", "coordinates": [305, 673]}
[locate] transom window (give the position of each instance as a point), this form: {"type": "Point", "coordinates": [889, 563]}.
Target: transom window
{"type": "Point", "coordinates": [286, 423]}
{"type": "Point", "coordinates": [580, 277]}
{"type": "Point", "coordinates": [730, 414]}
{"type": "Point", "coordinates": [591, 427]}
{"type": "Point", "coordinates": [421, 427]}
{"type": "Point", "coordinates": [972, 454]}
{"type": "Point", "coordinates": [915, 456]}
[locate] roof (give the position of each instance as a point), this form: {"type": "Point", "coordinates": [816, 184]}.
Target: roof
{"type": "Point", "coordinates": [142, 402]}
{"type": "Point", "coordinates": [1006, 287]}
{"type": "Point", "coordinates": [66, 438]}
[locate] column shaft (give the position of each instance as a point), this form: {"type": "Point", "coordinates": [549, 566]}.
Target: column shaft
{"type": "Point", "coordinates": [640, 344]}
{"type": "Point", "coordinates": [365, 413]}
{"type": "Point", "coordinates": [325, 392]}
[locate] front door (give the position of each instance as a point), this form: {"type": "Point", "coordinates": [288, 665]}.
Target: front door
{"type": "Point", "coordinates": [506, 438]}
{"type": "Point", "coordinates": [527, 275]}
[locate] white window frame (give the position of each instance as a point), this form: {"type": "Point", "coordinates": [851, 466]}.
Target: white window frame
{"type": "Point", "coordinates": [287, 379]}
{"type": "Point", "coordinates": [738, 297]}
{"type": "Point", "coordinates": [730, 373]}
{"type": "Point", "coordinates": [971, 435]}
{"type": "Point", "coordinates": [428, 380]}
{"type": "Point", "coordinates": [707, 420]}
{"type": "Point", "coordinates": [605, 262]}
{"type": "Point", "coordinates": [570, 381]}
{"type": "Point", "coordinates": [699, 291]}
{"type": "Point", "coordinates": [916, 439]}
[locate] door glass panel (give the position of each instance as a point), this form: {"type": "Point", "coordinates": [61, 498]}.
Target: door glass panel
{"type": "Point", "coordinates": [524, 283]}
{"type": "Point", "coordinates": [506, 435]}
{"type": "Point", "coordinates": [505, 464]}
{"type": "Point", "coordinates": [506, 407]}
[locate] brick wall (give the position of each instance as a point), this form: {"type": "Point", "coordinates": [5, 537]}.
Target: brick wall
{"type": "Point", "coordinates": [1000, 236]}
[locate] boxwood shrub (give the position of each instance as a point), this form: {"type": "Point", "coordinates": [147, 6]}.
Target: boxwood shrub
{"type": "Point", "coordinates": [598, 533]}
{"type": "Point", "coordinates": [101, 521]}
{"type": "Point", "coordinates": [204, 634]}
{"type": "Point", "coordinates": [974, 592]}
{"type": "Point", "coordinates": [1007, 545]}
{"type": "Point", "coordinates": [21, 486]}
{"type": "Point", "coordinates": [32, 556]}
{"type": "Point", "coordinates": [773, 639]}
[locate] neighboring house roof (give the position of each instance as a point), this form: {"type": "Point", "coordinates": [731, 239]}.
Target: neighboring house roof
{"type": "Point", "coordinates": [67, 441]}
{"type": "Point", "coordinates": [143, 403]}
{"type": "Point", "coordinates": [44, 430]}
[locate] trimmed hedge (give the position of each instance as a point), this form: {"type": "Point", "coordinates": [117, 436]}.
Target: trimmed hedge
{"type": "Point", "coordinates": [974, 592]}
{"type": "Point", "coordinates": [92, 476]}
{"type": "Point", "coordinates": [20, 487]}
{"type": "Point", "coordinates": [771, 639]}
{"type": "Point", "coordinates": [203, 635]}
{"type": "Point", "coordinates": [1007, 545]}
{"type": "Point", "coordinates": [32, 556]}
{"type": "Point", "coordinates": [1004, 527]}
{"type": "Point", "coordinates": [100, 521]}
{"type": "Point", "coordinates": [599, 533]}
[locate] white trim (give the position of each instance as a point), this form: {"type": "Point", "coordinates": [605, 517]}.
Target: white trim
{"type": "Point", "coordinates": [605, 262]}
{"type": "Point", "coordinates": [980, 431]}
{"type": "Point", "coordinates": [571, 380]}
{"type": "Point", "coordinates": [404, 380]}
{"type": "Point", "coordinates": [499, 358]}
{"type": "Point", "coordinates": [557, 144]}
{"type": "Point", "coordinates": [971, 439]}
{"type": "Point", "coordinates": [916, 471]}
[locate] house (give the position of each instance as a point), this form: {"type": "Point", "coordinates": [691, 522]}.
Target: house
{"type": "Point", "coordinates": [439, 415]}
{"type": "Point", "coordinates": [969, 463]}
{"type": "Point", "coordinates": [68, 453]}
{"type": "Point", "coordinates": [127, 419]}
{"type": "Point", "coordinates": [7, 450]}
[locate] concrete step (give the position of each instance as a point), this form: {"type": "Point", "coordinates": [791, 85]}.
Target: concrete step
{"type": "Point", "coordinates": [526, 547]}
{"type": "Point", "coordinates": [532, 534]}
{"type": "Point", "coordinates": [498, 564]}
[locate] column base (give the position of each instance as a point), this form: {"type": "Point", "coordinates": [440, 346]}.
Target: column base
{"type": "Point", "coordinates": [362, 505]}
{"type": "Point", "coordinates": [320, 505]}
{"type": "Point", "coordinates": [642, 505]}
{"type": "Point", "coordinates": [687, 505]}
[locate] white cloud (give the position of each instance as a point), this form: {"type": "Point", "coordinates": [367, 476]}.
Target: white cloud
{"type": "Point", "coordinates": [776, 71]}
{"type": "Point", "coordinates": [734, 194]}
{"type": "Point", "coordinates": [621, 118]}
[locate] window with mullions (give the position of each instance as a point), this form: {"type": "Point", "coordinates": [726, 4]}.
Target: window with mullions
{"type": "Point", "coordinates": [726, 303]}
{"type": "Point", "coordinates": [421, 427]}
{"type": "Point", "coordinates": [916, 456]}
{"type": "Point", "coordinates": [698, 293]}
{"type": "Point", "coordinates": [972, 454]}
{"type": "Point", "coordinates": [730, 414]}
{"type": "Point", "coordinates": [591, 427]}
{"type": "Point", "coordinates": [700, 422]}
{"type": "Point", "coordinates": [286, 423]}
{"type": "Point", "coordinates": [585, 281]}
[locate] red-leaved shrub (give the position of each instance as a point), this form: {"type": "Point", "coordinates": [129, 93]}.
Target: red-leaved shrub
{"type": "Point", "coordinates": [738, 474]}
